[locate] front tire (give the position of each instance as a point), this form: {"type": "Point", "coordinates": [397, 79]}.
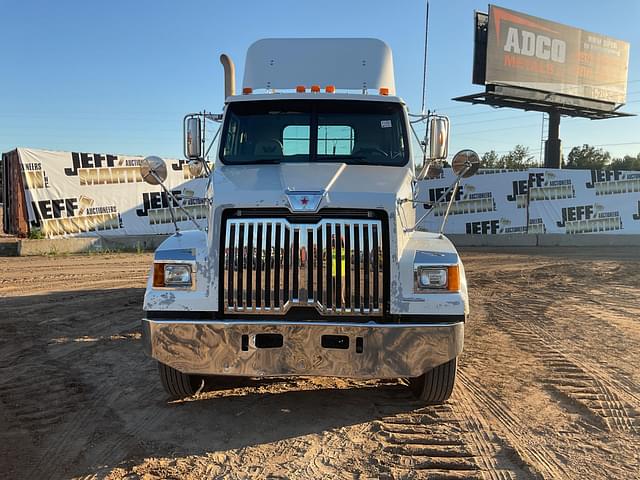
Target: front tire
{"type": "Point", "coordinates": [435, 386]}
{"type": "Point", "coordinates": [177, 384]}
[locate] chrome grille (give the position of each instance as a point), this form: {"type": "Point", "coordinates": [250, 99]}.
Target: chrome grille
{"type": "Point", "coordinates": [271, 265]}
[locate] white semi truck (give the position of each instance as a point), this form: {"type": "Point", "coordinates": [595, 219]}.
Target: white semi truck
{"type": "Point", "coordinates": [311, 263]}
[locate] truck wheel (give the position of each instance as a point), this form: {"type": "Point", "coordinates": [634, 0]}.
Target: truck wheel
{"type": "Point", "coordinates": [178, 384]}
{"type": "Point", "coordinates": [436, 385]}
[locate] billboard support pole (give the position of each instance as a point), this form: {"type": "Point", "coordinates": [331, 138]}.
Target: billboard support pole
{"type": "Point", "coordinates": [552, 145]}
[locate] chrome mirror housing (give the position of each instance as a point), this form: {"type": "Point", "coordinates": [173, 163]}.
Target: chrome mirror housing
{"type": "Point", "coordinates": [193, 138]}
{"type": "Point", "coordinates": [438, 138]}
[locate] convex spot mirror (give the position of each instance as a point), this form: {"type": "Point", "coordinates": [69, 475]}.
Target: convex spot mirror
{"type": "Point", "coordinates": [465, 163]}
{"type": "Point", "coordinates": [431, 169]}
{"type": "Point", "coordinates": [153, 170]}
{"type": "Point", "coordinates": [439, 138]}
{"type": "Point", "coordinates": [196, 167]}
{"type": "Point", "coordinates": [193, 138]}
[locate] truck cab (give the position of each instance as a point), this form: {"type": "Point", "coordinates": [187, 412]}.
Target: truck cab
{"type": "Point", "coordinates": [311, 263]}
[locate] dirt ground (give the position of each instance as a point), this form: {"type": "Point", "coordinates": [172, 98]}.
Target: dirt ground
{"type": "Point", "coordinates": [548, 386]}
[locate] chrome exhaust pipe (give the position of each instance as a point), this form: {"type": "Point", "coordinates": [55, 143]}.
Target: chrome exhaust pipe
{"type": "Point", "coordinates": [229, 75]}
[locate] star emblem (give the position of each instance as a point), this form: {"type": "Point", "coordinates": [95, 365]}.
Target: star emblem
{"type": "Point", "coordinates": [304, 201]}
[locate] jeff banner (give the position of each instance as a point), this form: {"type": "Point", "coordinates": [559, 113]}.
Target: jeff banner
{"type": "Point", "coordinates": [93, 194]}
{"type": "Point", "coordinates": [536, 201]}
{"type": "Point", "coordinates": [530, 52]}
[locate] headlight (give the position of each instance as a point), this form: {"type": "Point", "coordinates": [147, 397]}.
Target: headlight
{"type": "Point", "coordinates": [432, 277]}
{"type": "Point", "coordinates": [436, 279]}
{"type": "Point", "coordinates": [172, 275]}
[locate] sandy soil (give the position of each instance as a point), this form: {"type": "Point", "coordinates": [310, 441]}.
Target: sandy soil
{"type": "Point", "coordinates": [548, 387]}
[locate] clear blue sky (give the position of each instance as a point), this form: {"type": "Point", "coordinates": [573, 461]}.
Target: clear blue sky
{"type": "Point", "coordinates": [117, 76]}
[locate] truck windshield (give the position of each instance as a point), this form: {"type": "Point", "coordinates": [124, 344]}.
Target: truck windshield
{"type": "Point", "coordinates": [277, 131]}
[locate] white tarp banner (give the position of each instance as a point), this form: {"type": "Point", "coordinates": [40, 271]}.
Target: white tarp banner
{"type": "Point", "coordinates": [537, 201]}
{"type": "Point", "coordinates": [89, 194]}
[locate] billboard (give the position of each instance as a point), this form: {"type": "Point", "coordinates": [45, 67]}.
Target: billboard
{"type": "Point", "coordinates": [529, 52]}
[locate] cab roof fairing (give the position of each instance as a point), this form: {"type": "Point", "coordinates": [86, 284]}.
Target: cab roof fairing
{"type": "Point", "coordinates": [346, 63]}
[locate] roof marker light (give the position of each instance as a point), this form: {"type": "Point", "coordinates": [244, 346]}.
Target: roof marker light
{"type": "Point", "coordinates": [315, 88]}
{"type": "Point", "coordinates": [384, 91]}
{"type": "Point", "coordinates": [330, 89]}
{"type": "Point", "coordinates": [247, 90]}
{"type": "Point", "coordinates": [300, 89]}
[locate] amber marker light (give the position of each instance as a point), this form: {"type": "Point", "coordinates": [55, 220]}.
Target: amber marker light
{"type": "Point", "coordinates": [330, 89]}
{"type": "Point", "coordinates": [453, 274]}
{"type": "Point", "coordinates": [247, 90]}
{"type": "Point", "coordinates": [300, 89]}
{"type": "Point", "coordinates": [384, 91]}
{"type": "Point", "coordinates": [315, 88]}
{"type": "Point", "coordinates": [158, 274]}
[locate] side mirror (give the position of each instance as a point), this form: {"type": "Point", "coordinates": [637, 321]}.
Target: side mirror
{"type": "Point", "coordinates": [192, 138]}
{"type": "Point", "coordinates": [153, 170]}
{"type": "Point", "coordinates": [439, 138]}
{"type": "Point", "coordinates": [465, 163]}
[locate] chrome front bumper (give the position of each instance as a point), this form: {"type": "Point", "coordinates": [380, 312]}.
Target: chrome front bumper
{"type": "Point", "coordinates": [255, 349]}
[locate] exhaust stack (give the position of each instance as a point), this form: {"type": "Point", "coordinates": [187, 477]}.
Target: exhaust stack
{"type": "Point", "coordinates": [229, 75]}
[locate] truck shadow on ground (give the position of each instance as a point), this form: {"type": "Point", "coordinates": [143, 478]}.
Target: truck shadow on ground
{"type": "Point", "coordinates": [90, 383]}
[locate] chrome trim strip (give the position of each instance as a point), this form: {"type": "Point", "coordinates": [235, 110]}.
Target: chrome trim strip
{"type": "Point", "coordinates": [184, 254]}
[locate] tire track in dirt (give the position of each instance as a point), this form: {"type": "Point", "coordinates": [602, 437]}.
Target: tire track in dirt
{"type": "Point", "coordinates": [477, 399]}
{"type": "Point", "coordinates": [443, 441]}
{"type": "Point", "coordinates": [571, 377]}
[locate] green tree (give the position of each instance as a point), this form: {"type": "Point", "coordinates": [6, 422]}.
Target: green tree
{"type": "Point", "coordinates": [588, 157]}
{"type": "Point", "coordinates": [489, 159]}
{"type": "Point", "coordinates": [518, 158]}
{"type": "Point", "coordinates": [627, 163]}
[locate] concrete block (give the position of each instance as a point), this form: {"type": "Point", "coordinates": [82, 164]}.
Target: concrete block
{"type": "Point", "coordinates": [9, 249]}
{"type": "Point", "coordinates": [507, 240]}
{"type": "Point", "coordinates": [147, 243]}
{"type": "Point", "coordinates": [58, 246]}
{"type": "Point", "coordinates": [588, 240]}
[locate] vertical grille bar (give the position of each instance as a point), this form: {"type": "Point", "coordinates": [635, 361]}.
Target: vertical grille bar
{"type": "Point", "coordinates": [241, 255]}
{"type": "Point", "coordinates": [326, 261]}
{"type": "Point", "coordinates": [334, 269]}
{"type": "Point", "coordinates": [268, 277]}
{"type": "Point", "coordinates": [248, 274]}
{"type": "Point", "coordinates": [277, 267]}
{"type": "Point", "coordinates": [253, 264]}
{"type": "Point", "coordinates": [347, 269]}
{"type": "Point", "coordinates": [295, 263]}
{"type": "Point", "coordinates": [308, 259]}
{"type": "Point", "coordinates": [260, 241]}
{"type": "Point", "coordinates": [319, 286]}
{"type": "Point", "coordinates": [367, 267]}
{"type": "Point", "coordinates": [339, 239]}
{"type": "Point", "coordinates": [286, 274]}
{"type": "Point", "coordinates": [372, 272]}
{"type": "Point", "coordinates": [379, 274]}
{"type": "Point", "coordinates": [228, 267]}
{"type": "Point", "coordinates": [358, 266]}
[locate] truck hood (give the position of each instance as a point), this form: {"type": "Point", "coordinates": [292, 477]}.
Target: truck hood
{"type": "Point", "coordinates": [346, 186]}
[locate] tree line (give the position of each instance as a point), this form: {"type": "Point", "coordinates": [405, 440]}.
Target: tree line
{"type": "Point", "coordinates": [582, 157]}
